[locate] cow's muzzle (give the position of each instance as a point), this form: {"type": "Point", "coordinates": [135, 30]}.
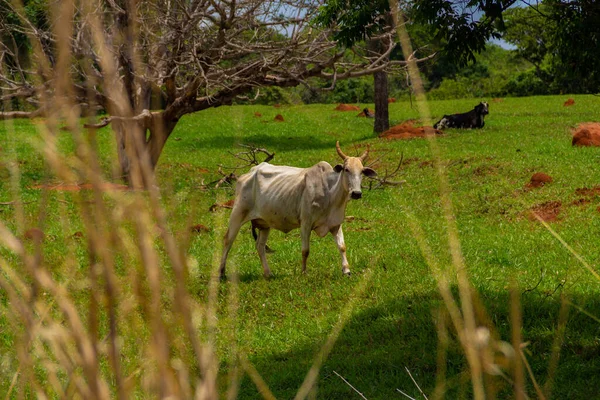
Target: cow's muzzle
{"type": "Point", "coordinates": [356, 195]}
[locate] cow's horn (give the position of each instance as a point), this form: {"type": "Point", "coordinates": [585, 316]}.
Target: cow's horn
{"type": "Point", "coordinates": [339, 151]}
{"type": "Point", "coordinates": [365, 154]}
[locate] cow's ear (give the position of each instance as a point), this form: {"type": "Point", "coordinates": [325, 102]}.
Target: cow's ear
{"type": "Point", "coordinates": [338, 168]}
{"type": "Point", "coordinates": [369, 172]}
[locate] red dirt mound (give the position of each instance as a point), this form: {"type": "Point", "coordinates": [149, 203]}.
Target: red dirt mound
{"type": "Point", "coordinates": [587, 134]}
{"type": "Point", "coordinates": [75, 187]}
{"type": "Point", "coordinates": [569, 102]}
{"type": "Point", "coordinates": [257, 114]}
{"type": "Point", "coordinates": [392, 100]}
{"type": "Point", "coordinates": [346, 107]}
{"type": "Point", "coordinates": [362, 113]}
{"type": "Point", "coordinates": [34, 234]}
{"type": "Point", "coordinates": [279, 118]}
{"type": "Point", "coordinates": [547, 211]}
{"type": "Point", "coordinates": [539, 179]}
{"type": "Point", "coordinates": [406, 130]}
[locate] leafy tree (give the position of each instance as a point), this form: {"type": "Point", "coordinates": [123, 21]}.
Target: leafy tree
{"type": "Point", "coordinates": [575, 44]}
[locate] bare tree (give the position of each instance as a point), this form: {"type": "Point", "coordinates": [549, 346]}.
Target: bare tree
{"type": "Point", "coordinates": [173, 57]}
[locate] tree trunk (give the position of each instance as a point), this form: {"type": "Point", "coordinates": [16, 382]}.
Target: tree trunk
{"type": "Point", "coordinates": [382, 118]}
{"type": "Point", "coordinates": [139, 146]}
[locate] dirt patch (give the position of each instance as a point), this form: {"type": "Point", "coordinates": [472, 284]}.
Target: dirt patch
{"type": "Point", "coordinates": [279, 118]}
{"type": "Point", "coordinates": [257, 114]}
{"type": "Point", "coordinates": [497, 100]}
{"type": "Point", "coordinates": [391, 100]}
{"type": "Point", "coordinates": [346, 107]}
{"type": "Point", "coordinates": [362, 113]}
{"type": "Point", "coordinates": [277, 105]}
{"type": "Point", "coordinates": [199, 228]}
{"type": "Point", "coordinates": [569, 103]}
{"type": "Point", "coordinates": [581, 202]}
{"type": "Point", "coordinates": [590, 192]}
{"type": "Point", "coordinates": [586, 134]}
{"type": "Point", "coordinates": [75, 187]}
{"type": "Point", "coordinates": [538, 180]}
{"type": "Point", "coordinates": [406, 130]}
{"type": "Point", "coordinates": [547, 211]}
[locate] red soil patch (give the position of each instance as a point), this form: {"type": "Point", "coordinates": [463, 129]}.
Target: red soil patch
{"type": "Point", "coordinates": [590, 192]}
{"type": "Point", "coordinates": [279, 118]}
{"type": "Point", "coordinates": [346, 107]}
{"type": "Point", "coordinates": [581, 202]}
{"type": "Point", "coordinates": [257, 114]}
{"type": "Point", "coordinates": [391, 100]}
{"type": "Point", "coordinates": [34, 234]}
{"type": "Point", "coordinates": [547, 211]}
{"type": "Point", "coordinates": [569, 102]}
{"type": "Point", "coordinates": [497, 100]}
{"type": "Point", "coordinates": [362, 113]}
{"type": "Point", "coordinates": [538, 180]}
{"type": "Point", "coordinates": [199, 228]}
{"type": "Point", "coordinates": [277, 105]}
{"type": "Point", "coordinates": [587, 134]}
{"type": "Point", "coordinates": [77, 235]}
{"type": "Point", "coordinates": [75, 187]}
{"type": "Point", "coordinates": [406, 130]}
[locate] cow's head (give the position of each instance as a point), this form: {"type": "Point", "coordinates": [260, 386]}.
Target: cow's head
{"type": "Point", "coordinates": [482, 108]}
{"type": "Point", "coordinates": [352, 171]}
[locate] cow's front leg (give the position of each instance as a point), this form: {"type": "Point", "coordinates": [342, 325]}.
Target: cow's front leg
{"type": "Point", "coordinates": [338, 235]}
{"type": "Point", "coordinates": [261, 242]}
{"type": "Point", "coordinates": [305, 231]}
{"type": "Point", "coordinates": [236, 220]}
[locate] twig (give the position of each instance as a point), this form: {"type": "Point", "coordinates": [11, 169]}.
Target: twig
{"type": "Point", "coordinates": [411, 398]}
{"type": "Point", "coordinates": [542, 273]}
{"type": "Point", "coordinates": [348, 383]}
{"type": "Point", "coordinates": [10, 203]}
{"type": "Point", "coordinates": [415, 382]}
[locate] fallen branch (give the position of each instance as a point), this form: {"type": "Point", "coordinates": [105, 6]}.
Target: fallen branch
{"type": "Point", "coordinates": [250, 158]}
{"type": "Point", "coordinates": [386, 179]}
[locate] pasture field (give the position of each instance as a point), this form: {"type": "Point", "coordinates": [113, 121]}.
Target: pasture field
{"type": "Point", "coordinates": [389, 315]}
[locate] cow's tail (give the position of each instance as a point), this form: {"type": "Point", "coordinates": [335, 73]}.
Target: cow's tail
{"type": "Point", "coordinates": [255, 236]}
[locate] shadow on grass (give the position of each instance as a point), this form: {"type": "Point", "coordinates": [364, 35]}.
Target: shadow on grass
{"type": "Point", "coordinates": [377, 344]}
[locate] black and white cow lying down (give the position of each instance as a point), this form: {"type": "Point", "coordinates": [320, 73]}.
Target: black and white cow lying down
{"type": "Point", "coordinates": [468, 120]}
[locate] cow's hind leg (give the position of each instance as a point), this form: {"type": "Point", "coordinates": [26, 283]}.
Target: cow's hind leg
{"type": "Point", "coordinates": [237, 219]}
{"type": "Point", "coordinates": [338, 235]}
{"type": "Point", "coordinates": [305, 231]}
{"type": "Point", "coordinates": [261, 241]}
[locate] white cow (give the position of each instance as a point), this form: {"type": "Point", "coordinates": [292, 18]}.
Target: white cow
{"type": "Point", "coordinates": [286, 198]}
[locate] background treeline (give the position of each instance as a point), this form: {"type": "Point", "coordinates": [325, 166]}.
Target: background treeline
{"type": "Point", "coordinates": [552, 49]}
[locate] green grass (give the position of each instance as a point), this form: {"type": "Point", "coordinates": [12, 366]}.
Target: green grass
{"type": "Point", "coordinates": [282, 323]}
